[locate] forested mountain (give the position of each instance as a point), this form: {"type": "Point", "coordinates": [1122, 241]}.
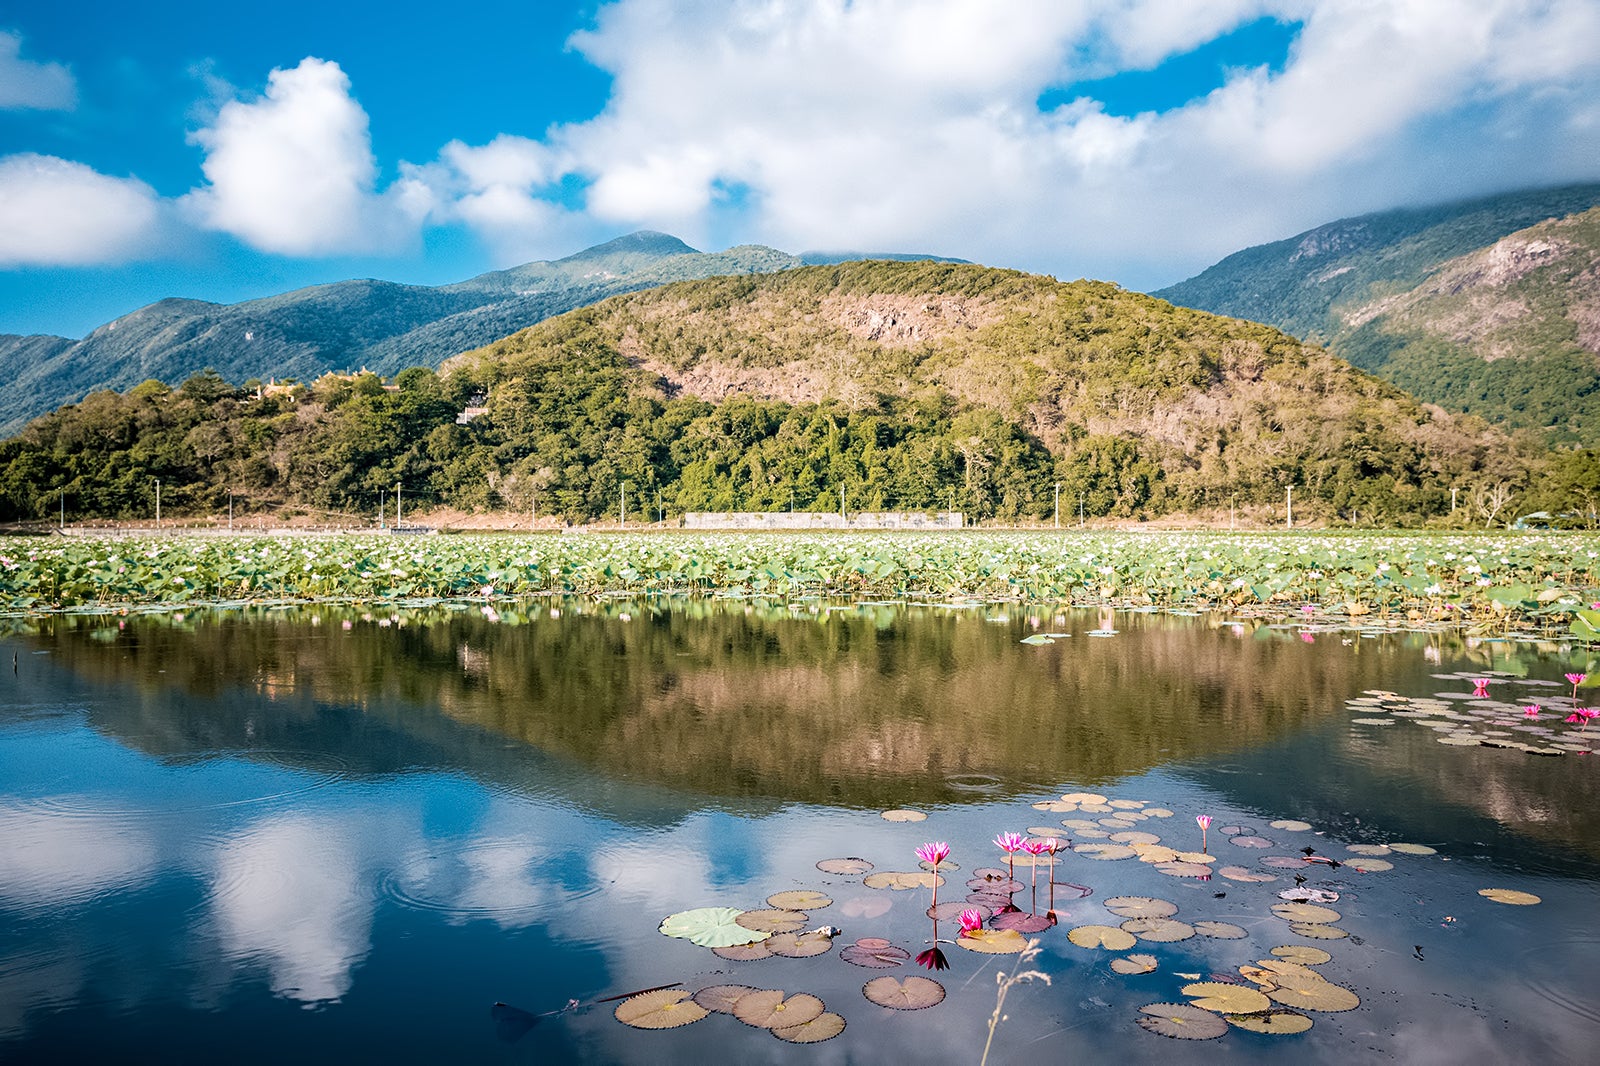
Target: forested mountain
{"type": "Point", "coordinates": [348, 325]}
{"type": "Point", "coordinates": [907, 385]}
{"type": "Point", "coordinates": [1491, 306]}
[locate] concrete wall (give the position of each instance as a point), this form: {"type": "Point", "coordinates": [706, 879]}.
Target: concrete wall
{"type": "Point", "coordinates": [823, 520]}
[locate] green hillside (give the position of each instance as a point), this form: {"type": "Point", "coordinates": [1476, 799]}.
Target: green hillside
{"type": "Point", "coordinates": [1488, 307]}
{"type": "Point", "coordinates": [348, 325]}
{"type": "Point", "coordinates": [906, 385]}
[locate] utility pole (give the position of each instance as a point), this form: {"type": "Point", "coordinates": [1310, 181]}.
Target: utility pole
{"type": "Point", "coordinates": [841, 505]}
{"type": "Point", "coordinates": [1452, 499]}
{"type": "Point", "coordinates": [1058, 505]}
{"type": "Point", "coordinates": [63, 509]}
{"type": "Point", "coordinates": [624, 505]}
{"type": "Point", "coordinates": [382, 499]}
{"type": "Point", "coordinates": [397, 505]}
{"type": "Point", "coordinates": [158, 503]}
{"type": "Point", "coordinates": [230, 510]}
{"type": "Point", "coordinates": [1288, 514]}
{"type": "Point", "coordinates": [1080, 510]}
{"type": "Point", "coordinates": [1233, 512]}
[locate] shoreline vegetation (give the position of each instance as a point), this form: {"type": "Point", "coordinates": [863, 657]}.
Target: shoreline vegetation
{"type": "Point", "coordinates": [1522, 585]}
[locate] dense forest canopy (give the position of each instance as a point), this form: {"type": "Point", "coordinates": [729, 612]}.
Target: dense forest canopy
{"type": "Point", "coordinates": [910, 386]}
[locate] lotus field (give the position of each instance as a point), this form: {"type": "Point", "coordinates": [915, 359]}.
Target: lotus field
{"type": "Point", "coordinates": [1533, 583]}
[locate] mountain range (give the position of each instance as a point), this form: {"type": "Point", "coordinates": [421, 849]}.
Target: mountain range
{"type": "Point", "coordinates": [1490, 306]}
{"type": "Point", "coordinates": [378, 325]}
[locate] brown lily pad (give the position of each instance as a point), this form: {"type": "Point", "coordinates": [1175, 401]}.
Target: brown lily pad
{"type": "Point", "coordinates": [768, 1009]}
{"type": "Point", "coordinates": [772, 921]}
{"type": "Point", "coordinates": [876, 952]}
{"type": "Point", "coordinates": [1140, 907]}
{"type": "Point", "coordinates": [824, 1026]}
{"type": "Point", "coordinates": [1227, 998]}
{"type": "Point", "coordinates": [1181, 1021]}
{"type": "Point", "coordinates": [903, 815]}
{"type": "Point", "coordinates": [1021, 921]}
{"type": "Point", "coordinates": [1510, 896]}
{"type": "Point", "coordinates": [904, 993]}
{"type": "Point", "coordinates": [1220, 930]}
{"type": "Point", "coordinates": [900, 881]}
{"type": "Point", "coordinates": [845, 867]}
{"type": "Point", "coordinates": [799, 945]}
{"type": "Point", "coordinates": [993, 941]}
{"type": "Point", "coordinates": [1102, 936]}
{"type": "Point", "coordinates": [744, 952]}
{"type": "Point", "coordinates": [1132, 965]}
{"type": "Point", "coordinates": [1159, 930]}
{"type": "Point", "coordinates": [1272, 1022]}
{"type": "Point", "coordinates": [1305, 912]}
{"type": "Point", "coordinates": [719, 999]}
{"type": "Point", "coordinates": [1304, 954]}
{"type": "Point", "coordinates": [665, 1008]}
{"type": "Point", "coordinates": [799, 900]}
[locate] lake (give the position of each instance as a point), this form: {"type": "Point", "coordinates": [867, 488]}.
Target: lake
{"type": "Point", "coordinates": [332, 832]}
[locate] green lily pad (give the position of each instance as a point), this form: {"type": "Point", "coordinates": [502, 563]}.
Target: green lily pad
{"type": "Point", "coordinates": [711, 927]}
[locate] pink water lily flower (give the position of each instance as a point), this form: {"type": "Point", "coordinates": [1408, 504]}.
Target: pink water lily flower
{"type": "Point", "coordinates": [1009, 843]}
{"type": "Point", "coordinates": [971, 921]}
{"type": "Point", "coordinates": [1575, 718]}
{"type": "Point", "coordinates": [1531, 711]}
{"type": "Point", "coordinates": [1480, 686]}
{"type": "Point", "coordinates": [1576, 679]}
{"type": "Point", "coordinates": [934, 853]}
{"type": "Point", "coordinates": [1203, 821]}
{"type": "Point", "coordinates": [1035, 847]}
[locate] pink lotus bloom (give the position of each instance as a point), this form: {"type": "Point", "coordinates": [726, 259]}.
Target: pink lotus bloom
{"type": "Point", "coordinates": [1575, 718]}
{"type": "Point", "coordinates": [1010, 843]}
{"type": "Point", "coordinates": [971, 921]}
{"type": "Point", "coordinates": [1035, 847]}
{"type": "Point", "coordinates": [1203, 821]}
{"type": "Point", "coordinates": [1576, 679]}
{"type": "Point", "coordinates": [933, 959]}
{"type": "Point", "coordinates": [1589, 712]}
{"type": "Point", "coordinates": [1480, 686]}
{"type": "Point", "coordinates": [1531, 711]}
{"type": "Point", "coordinates": [934, 853]}
{"type": "Point", "coordinates": [1308, 638]}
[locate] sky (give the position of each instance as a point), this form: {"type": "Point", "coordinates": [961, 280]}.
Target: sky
{"type": "Point", "coordinates": [224, 152]}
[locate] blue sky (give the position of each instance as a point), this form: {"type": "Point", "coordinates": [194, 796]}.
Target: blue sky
{"type": "Point", "coordinates": [223, 152]}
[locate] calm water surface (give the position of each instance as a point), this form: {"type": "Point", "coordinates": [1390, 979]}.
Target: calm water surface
{"type": "Point", "coordinates": [323, 834]}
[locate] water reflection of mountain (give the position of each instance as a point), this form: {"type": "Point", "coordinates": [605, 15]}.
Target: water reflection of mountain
{"type": "Point", "coordinates": [867, 706]}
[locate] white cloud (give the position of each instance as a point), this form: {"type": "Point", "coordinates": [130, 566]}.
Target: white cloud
{"type": "Point", "coordinates": [887, 123]}
{"type": "Point", "coordinates": [54, 212]}
{"type": "Point", "coordinates": [293, 172]}
{"type": "Point", "coordinates": [25, 84]}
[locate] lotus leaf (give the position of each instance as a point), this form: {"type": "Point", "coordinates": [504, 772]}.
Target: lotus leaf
{"type": "Point", "coordinates": [665, 1008]}
{"type": "Point", "coordinates": [768, 1009]}
{"type": "Point", "coordinates": [904, 993]}
{"type": "Point", "coordinates": [1303, 954]}
{"type": "Point", "coordinates": [1021, 921]}
{"type": "Point", "coordinates": [799, 945]}
{"type": "Point", "coordinates": [1322, 996]}
{"type": "Point", "coordinates": [1159, 930]}
{"type": "Point", "coordinates": [711, 927]}
{"type": "Point", "coordinates": [1369, 866]}
{"type": "Point", "coordinates": [874, 952]}
{"type": "Point", "coordinates": [744, 952]}
{"type": "Point", "coordinates": [824, 1026]}
{"type": "Point", "coordinates": [1318, 930]}
{"type": "Point", "coordinates": [1273, 1022]}
{"type": "Point", "coordinates": [1227, 998]}
{"type": "Point", "coordinates": [1181, 1021]}
{"type": "Point", "coordinates": [1413, 849]}
{"type": "Point", "coordinates": [901, 881]}
{"type": "Point", "coordinates": [994, 941]}
{"type": "Point", "coordinates": [1102, 936]}
{"type": "Point", "coordinates": [798, 900]}
{"type": "Point", "coordinates": [1132, 965]}
{"type": "Point", "coordinates": [903, 816]}
{"type": "Point", "coordinates": [1509, 895]}
{"type": "Point", "coordinates": [1220, 930]}
{"type": "Point", "coordinates": [719, 999]}
{"type": "Point", "coordinates": [772, 921]}
{"type": "Point", "coordinates": [844, 866]}
{"type": "Point", "coordinates": [1140, 907]}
